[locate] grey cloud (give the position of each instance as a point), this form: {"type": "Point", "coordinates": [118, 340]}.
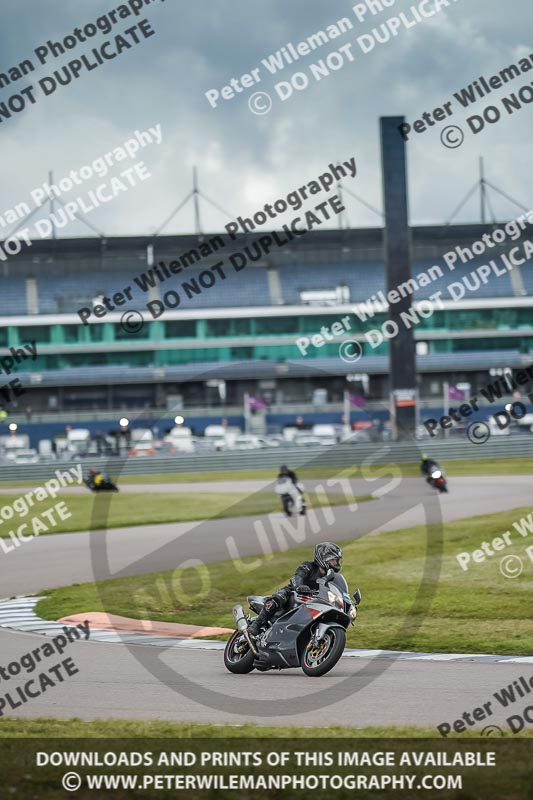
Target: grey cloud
{"type": "Point", "coordinates": [246, 160]}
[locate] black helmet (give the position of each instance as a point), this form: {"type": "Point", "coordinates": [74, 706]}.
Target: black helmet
{"type": "Point", "coordinates": [284, 468]}
{"type": "Point", "coordinates": [328, 556]}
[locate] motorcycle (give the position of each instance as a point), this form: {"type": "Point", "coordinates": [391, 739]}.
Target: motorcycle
{"type": "Point", "coordinates": [107, 485]}
{"type": "Point", "coordinates": [437, 480]}
{"type": "Point", "coordinates": [310, 632]}
{"type": "Point", "coordinates": [291, 499]}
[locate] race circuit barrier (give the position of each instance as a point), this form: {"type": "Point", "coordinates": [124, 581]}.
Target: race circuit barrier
{"type": "Point", "coordinates": [340, 455]}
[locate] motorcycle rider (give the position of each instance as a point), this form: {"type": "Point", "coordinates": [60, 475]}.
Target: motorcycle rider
{"type": "Point", "coordinates": [328, 555]}
{"type": "Point", "coordinates": [428, 465]}
{"type": "Point", "coordinates": [95, 477]}
{"type": "Point", "coordinates": [285, 475]}
{"type": "Point", "coordinates": [285, 472]}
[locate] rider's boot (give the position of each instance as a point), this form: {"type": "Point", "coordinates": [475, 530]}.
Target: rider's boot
{"type": "Point", "coordinates": [264, 616]}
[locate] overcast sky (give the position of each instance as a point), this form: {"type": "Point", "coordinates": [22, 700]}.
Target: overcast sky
{"type": "Point", "coordinates": [245, 160]}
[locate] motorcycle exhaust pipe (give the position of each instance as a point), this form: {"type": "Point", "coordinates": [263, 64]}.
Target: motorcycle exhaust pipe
{"type": "Point", "coordinates": [242, 626]}
{"type": "Point", "coordinates": [240, 619]}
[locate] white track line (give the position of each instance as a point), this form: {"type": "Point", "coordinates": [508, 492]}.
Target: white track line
{"type": "Point", "coordinates": [19, 615]}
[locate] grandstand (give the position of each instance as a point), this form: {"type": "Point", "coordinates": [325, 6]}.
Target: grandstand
{"type": "Point", "coordinates": [244, 329]}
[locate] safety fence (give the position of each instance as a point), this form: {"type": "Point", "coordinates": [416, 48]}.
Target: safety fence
{"type": "Point", "coordinates": [341, 455]}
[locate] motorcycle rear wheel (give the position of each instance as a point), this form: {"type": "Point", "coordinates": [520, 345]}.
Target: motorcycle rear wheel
{"type": "Point", "coordinates": [238, 662]}
{"type": "Point", "coordinates": [316, 661]}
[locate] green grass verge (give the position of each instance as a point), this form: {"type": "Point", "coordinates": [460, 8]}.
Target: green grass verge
{"type": "Point", "coordinates": [97, 512]}
{"type": "Point", "coordinates": [482, 466]}
{"type": "Point", "coordinates": [454, 611]}
{"type": "Point", "coordinates": [11, 728]}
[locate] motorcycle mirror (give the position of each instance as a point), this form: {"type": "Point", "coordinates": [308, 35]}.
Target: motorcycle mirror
{"type": "Point", "coordinates": [357, 596]}
{"type": "Point", "coordinates": [330, 574]}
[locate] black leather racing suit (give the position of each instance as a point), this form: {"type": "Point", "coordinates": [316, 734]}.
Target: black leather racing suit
{"type": "Point", "coordinates": [292, 476]}
{"type": "Point", "coordinates": [306, 575]}
{"type": "Point", "coordinates": [427, 467]}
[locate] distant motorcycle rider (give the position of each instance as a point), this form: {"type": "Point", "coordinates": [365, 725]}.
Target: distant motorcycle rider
{"type": "Point", "coordinates": [328, 555]}
{"type": "Point", "coordinates": [285, 472]}
{"type": "Point", "coordinates": [95, 477]}
{"type": "Point", "coordinates": [428, 465]}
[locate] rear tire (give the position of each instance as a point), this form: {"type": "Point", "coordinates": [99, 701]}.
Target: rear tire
{"type": "Point", "coordinates": [316, 665]}
{"type": "Point", "coordinates": [238, 663]}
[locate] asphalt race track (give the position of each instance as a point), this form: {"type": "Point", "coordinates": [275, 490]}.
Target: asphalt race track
{"type": "Point", "coordinates": [247, 486]}
{"type": "Point", "coordinates": [141, 682]}
{"type": "Point", "coordinates": [64, 559]}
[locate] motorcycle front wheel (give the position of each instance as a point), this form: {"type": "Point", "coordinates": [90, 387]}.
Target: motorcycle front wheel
{"type": "Point", "coordinates": [238, 657]}
{"type": "Point", "coordinates": [319, 659]}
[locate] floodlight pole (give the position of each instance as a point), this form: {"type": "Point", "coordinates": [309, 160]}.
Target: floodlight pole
{"type": "Point", "coordinates": [397, 241]}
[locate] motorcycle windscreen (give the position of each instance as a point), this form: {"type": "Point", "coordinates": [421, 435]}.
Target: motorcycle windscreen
{"type": "Point", "coordinates": [340, 582]}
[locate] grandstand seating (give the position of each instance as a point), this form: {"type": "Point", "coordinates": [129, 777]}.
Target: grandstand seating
{"type": "Point", "coordinates": [12, 295]}
{"type": "Point", "coordinates": [66, 282]}
{"type": "Point", "coordinates": [72, 289]}
{"type": "Point", "coordinates": [494, 287]}
{"type": "Point", "coordinates": [249, 290]}
{"type": "Point", "coordinates": [363, 280]}
{"type": "Point", "coordinates": [366, 279]}
{"type": "Point", "coordinates": [67, 291]}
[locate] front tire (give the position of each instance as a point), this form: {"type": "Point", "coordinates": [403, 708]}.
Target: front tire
{"type": "Point", "coordinates": [316, 661]}
{"type": "Point", "coordinates": [237, 660]}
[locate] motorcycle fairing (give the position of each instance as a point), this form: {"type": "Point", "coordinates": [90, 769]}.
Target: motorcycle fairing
{"type": "Point", "coordinates": [285, 636]}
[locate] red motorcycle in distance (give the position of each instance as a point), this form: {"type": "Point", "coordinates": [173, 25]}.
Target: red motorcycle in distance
{"type": "Point", "coordinates": [437, 481]}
